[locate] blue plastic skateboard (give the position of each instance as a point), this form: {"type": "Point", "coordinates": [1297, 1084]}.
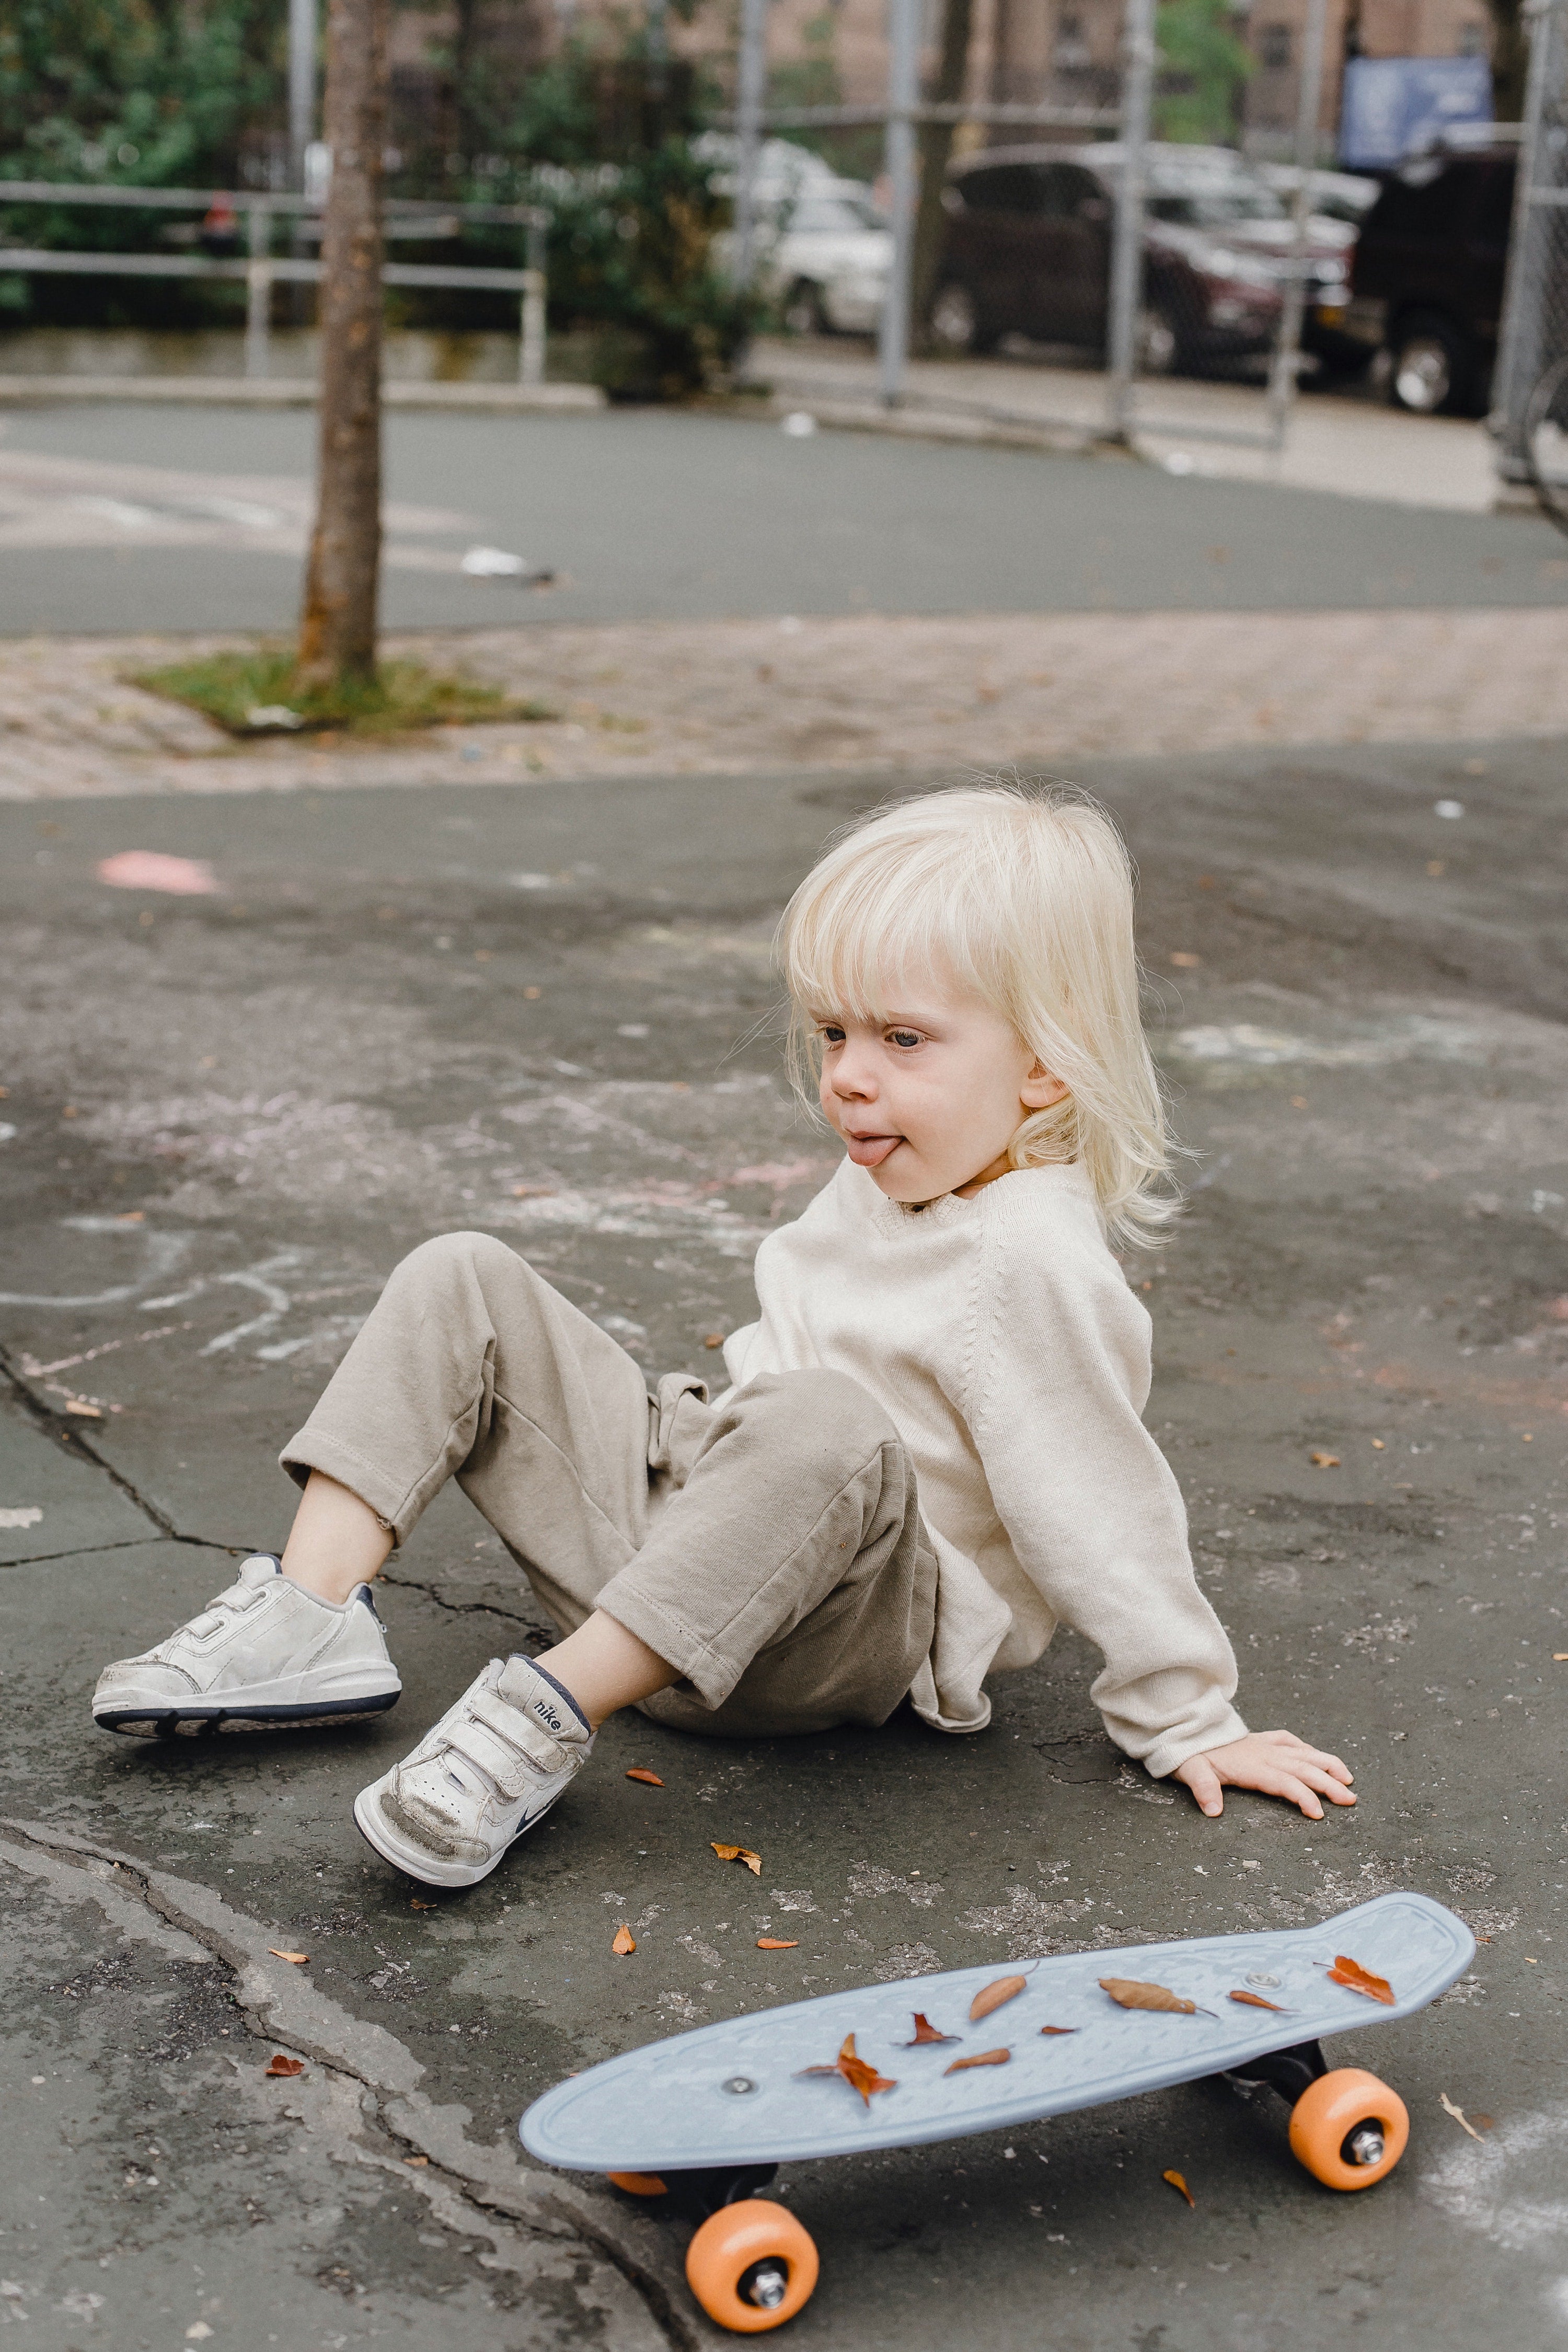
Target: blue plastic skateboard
{"type": "Point", "coordinates": [702, 2121]}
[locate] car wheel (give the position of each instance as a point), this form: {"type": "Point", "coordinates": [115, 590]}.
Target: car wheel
{"type": "Point", "coordinates": [955, 321]}
{"type": "Point", "coordinates": [1430, 367]}
{"type": "Point", "coordinates": [804, 311]}
{"type": "Point", "coordinates": [1158, 345]}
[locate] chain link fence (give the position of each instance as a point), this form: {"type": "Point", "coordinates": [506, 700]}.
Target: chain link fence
{"type": "Point", "coordinates": [1529, 409]}
{"type": "Point", "coordinates": [1159, 289]}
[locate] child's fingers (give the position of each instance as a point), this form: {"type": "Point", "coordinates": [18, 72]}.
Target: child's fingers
{"type": "Point", "coordinates": [1205, 1783]}
{"type": "Point", "coordinates": [1309, 1754]}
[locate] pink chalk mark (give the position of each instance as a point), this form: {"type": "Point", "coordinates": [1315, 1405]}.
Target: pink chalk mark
{"type": "Point", "coordinates": [149, 869]}
{"type": "Point", "coordinates": [782, 1173]}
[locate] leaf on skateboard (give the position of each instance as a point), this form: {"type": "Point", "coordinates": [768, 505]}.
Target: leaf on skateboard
{"type": "Point", "coordinates": [1128, 1993]}
{"type": "Point", "coordinates": [983, 2058]}
{"type": "Point", "coordinates": [1175, 2179]}
{"type": "Point", "coordinates": [1255, 2001]}
{"type": "Point", "coordinates": [651, 1778]}
{"type": "Point", "coordinates": [991, 1996]}
{"type": "Point", "coordinates": [753, 1862]}
{"type": "Point", "coordinates": [925, 2031]}
{"type": "Point", "coordinates": [1346, 1971]}
{"type": "Point", "coordinates": [855, 2070]}
{"type": "Point", "coordinates": [777, 1944]}
{"type": "Point", "coordinates": [625, 1940]}
{"type": "Point", "coordinates": [1058, 2028]}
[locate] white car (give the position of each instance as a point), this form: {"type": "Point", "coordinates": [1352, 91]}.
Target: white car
{"type": "Point", "coordinates": [823, 251]}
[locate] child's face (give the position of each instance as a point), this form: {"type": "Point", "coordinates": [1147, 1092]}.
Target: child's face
{"type": "Point", "coordinates": [929, 1099]}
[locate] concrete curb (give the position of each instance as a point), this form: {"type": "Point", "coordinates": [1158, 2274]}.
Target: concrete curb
{"type": "Point", "coordinates": [299, 392]}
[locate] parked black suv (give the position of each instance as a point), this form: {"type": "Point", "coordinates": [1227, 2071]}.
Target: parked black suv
{"type": "Point", "coordinates": [1426, 286]}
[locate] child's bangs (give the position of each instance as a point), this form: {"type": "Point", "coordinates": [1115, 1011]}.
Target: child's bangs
{"type": "Point", "coordinates": [865, 942]}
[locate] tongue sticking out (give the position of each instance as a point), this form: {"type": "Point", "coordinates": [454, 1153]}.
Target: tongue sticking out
{"type": "Point", "coordinates": [870, 1151]}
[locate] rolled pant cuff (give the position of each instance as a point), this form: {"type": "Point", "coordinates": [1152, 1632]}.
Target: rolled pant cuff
{"type": "Point", "coordinates": [314, 1450]}
{"type": "Point", "coordinates": [711, 1677]}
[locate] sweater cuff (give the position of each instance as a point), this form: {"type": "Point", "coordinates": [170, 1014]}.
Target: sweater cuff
{"type": "Point", "coordinates": [1173, 1747]}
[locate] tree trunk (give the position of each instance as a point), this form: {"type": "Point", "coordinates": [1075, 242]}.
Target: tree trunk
{"type": "Point", "coordinates": [935, 151]}
{"type": "Point", "coordinates": [1511, 59]}
{"type": "Point", "coordinates": [337, 633]}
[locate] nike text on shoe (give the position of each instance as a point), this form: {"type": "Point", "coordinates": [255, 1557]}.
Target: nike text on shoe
{"type": "Point", "coordinates": [262, 1655]}
{"type": "Point", "coordinates": [490, 1769]}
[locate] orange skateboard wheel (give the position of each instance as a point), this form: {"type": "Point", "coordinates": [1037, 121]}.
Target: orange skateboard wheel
{"type": "Point", "coordinates": [1348, 2129]}
{"type": "Point", "coordinates": [639, 2184]}
{"type": "Point", "coordinates": [752, 2266]}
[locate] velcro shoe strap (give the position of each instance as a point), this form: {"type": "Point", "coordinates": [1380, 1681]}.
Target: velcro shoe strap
{"type": "Point", "coordinates": [506, 1746]}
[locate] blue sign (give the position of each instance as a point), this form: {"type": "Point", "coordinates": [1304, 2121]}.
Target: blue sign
{"type": "Point", "coordinates": [1394, 107]}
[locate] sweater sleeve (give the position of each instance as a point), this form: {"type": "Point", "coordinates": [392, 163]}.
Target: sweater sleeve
{"type": "Point", "coordinates": [1090, 1505]}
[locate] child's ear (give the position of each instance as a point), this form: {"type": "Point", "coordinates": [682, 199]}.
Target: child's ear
{"type": "Point", "coordinates": [1041, 1091]}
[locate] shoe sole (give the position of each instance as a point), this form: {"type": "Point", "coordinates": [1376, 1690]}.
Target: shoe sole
{"type": "Point", "coordinates": [372, 1828]}
{"type": "Point", "coordinates": [196, 1721]}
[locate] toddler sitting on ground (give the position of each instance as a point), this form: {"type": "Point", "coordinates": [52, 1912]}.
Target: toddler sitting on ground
{"type": "Point", "coordinates": [932, 1453]}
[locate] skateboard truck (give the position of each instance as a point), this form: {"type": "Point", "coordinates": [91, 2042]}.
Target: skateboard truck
{"type": "Point", "coordinates": [1293, 2071]}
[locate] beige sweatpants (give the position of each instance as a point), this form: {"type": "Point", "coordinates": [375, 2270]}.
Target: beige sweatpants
{"type": "Point", "coordinates": [769, 1547]}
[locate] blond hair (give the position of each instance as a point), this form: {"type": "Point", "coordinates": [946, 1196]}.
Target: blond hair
{"type": "Point", "coordinates": [1023, 898]}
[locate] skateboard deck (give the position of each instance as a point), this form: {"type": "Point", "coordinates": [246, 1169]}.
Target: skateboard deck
{"type": "Point", "coordinates": [735, 2093]}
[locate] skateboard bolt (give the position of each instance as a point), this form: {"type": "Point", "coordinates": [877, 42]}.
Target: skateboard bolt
{"type": "Point", "coordinates": [1262, 1977]}
{"type": "Point", "coordinates": [738, 2084]}
{"type": "Point", "coordinates": [1364, 2144]}
{"type": "Point", "coordinates": [766, 2284]}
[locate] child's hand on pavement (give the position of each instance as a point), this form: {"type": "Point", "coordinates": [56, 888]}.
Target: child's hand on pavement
{"type": "Point", "coordinates": [1276, 1762]}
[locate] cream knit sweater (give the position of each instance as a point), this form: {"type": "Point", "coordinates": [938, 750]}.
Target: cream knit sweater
{"type": "Point", "coordinates": [1003, 1340]}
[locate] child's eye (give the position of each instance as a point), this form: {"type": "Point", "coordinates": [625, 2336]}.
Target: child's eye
{"type": "Point", "coordinates": [904, 1036]}
{"type": "Point", "coordinates": [830, 1033]}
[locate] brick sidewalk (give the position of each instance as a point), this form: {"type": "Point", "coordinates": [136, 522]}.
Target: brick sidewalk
{"type": "Point", "coordinates": [978, 691]}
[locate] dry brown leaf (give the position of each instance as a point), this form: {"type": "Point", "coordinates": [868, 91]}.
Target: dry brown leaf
{"type": "Point", "coordinates": [650, 1780]}
{"type": "Point", "coordinates": [778, 1944]}
{"type": "Point", "coordinates": [1128, 1993]}
{"type": "Point", "coordinates": [753, 1862]}
{"type": "Point", "coordinates": [625, 1940]}
{"type": "Point", "coordinates": [1460, 2118]}
{"type": "Point", "coordinates": [88, 1412]}
{"type": "Point", "coordinates": [415, 1905]}
{"type": "Point", "coordinates": [1177, 2182]}
{"type": "Point", "coordinates": [1058, 2028]}
{"type": "Point", "coordinates": [298, 1958]}
{"type": "Point", "coordinates": [1324, 1460]}
{"type": "Point", "coordinates": [993, 1996]}
{"type": "Point", "coordinates": [984, 2058]}
{"type": "Point", "coordinates": [416, 2159]}
{"type": "Point", "coordinates": [855, 2070]}
{"type": "Point", "coordinates": [281, 2065]}
{"type": "Point", "coordinates": [1255, 2001]}
{"type": "Point", "coordinates": [926, 2032]}
{"type": "Point", "coordinates": [1558, 1656]}
{"type": "Point", "coordinates": [1346, 1971]}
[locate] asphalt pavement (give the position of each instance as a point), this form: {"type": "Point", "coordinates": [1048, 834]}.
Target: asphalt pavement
{"type": "Point", "coordinates": [227, 1116]}
{"type": "Point", "coordinates": [120, 519]}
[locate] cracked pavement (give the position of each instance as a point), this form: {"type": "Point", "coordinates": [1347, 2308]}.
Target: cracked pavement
{"type": "Point", "coordinates": [545, 1011]}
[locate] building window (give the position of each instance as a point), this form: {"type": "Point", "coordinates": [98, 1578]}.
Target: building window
{"type": "Point", "coordinates": [1274, 48]}
{"type": "Point", "coordinates": [1070, 49]}
{"type": "Point", "coordinates": [1473, 40]}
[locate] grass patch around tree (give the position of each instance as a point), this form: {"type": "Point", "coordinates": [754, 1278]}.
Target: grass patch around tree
{"type": "Point", "coordinates": [255, 694]}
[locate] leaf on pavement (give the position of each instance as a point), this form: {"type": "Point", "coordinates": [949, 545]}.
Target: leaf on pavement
{"type": "Point", "coordinates": [1324, 1460]}
{"type": "Point", "coordinates": [1128, 1993]}
{"type": "Point", "coordinates": [993, 1996]}
{"type": "Point", "coordinates": [650, 1780]}
{"type": "Point", "coordinates": [753, 1862]}
{"type": "Point", "coordinates": [860, 2076]}
{"type": "Point", "coordinates": [984, 2058]}
{"type": "Point", "coordinates": [282, 2065]}
{"type": "Point", "coordinates": [415, 1905]}
{"type": "Point", "coordinates": [1255, 2001]}
{"type": "Point", "coordinates": [925, 2031]}
{"type": "Point", "coordinates": [1346, 1971]}
{"type": "Point", "coordinates": [1460, 2118]}
{"type": "Point", "coordinates": [298, 1958]}
{"type": "Point", "coordinates": [625, 1940]}
{"type": "Point", "coordinates": [778, 1944]}
{"type": "Point", "coordinates": [1178, 2183]}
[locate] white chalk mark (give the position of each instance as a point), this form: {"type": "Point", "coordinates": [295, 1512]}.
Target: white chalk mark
{"type": "Point", "coordinates": [164, 1254]}
{"type": "Point", "coordinates": [1495, 2188]}
{"type": "Point", "coordinates": [257, 1277]}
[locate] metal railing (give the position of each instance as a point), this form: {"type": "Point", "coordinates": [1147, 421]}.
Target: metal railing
{"type": "Point", "coordinates": [1534, 337]}
{"type": "Point", "coordinates": [261, 269]}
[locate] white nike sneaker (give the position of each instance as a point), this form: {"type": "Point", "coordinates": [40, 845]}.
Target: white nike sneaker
{"type": "Point", "coordinates": [262, 1655]}
{"type": "Point", "coordinates": [490, 1769]}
